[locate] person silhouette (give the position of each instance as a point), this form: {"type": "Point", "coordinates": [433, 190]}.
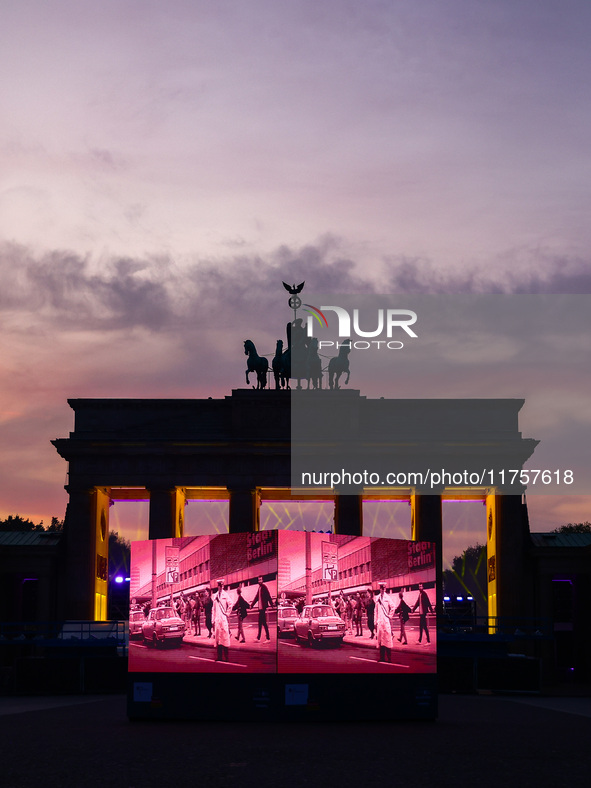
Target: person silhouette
{"type": "Point", "coordinates": [424, 604]}
{"type": "Point", "coordinates": [262, 601]}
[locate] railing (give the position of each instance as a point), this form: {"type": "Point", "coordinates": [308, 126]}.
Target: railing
{"type": "Point", "coordinates": [505, 627]}
{"type": "Point", "coordinates": [66, 634]}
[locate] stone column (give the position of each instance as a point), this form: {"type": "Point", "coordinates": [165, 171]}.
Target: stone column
{"type": "Point", "coordinates": [86, 536]}
{"type": "Point", "coordinates": [427, 526]}
{"type": "Point", "coordinates": [167, 512]}
{"type": "Point", "coordinates": [507, 535]}
{"type": "Point", "coordinates": [244, 514]}
{"type": "Point", "coordinates": [348, 514]}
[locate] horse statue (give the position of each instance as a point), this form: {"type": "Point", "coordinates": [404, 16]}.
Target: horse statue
{"type": "Point", "coordinates": [339, 364]}
{"type": "Point", "coordinates": [314, 365]}
{"type": "Point", "coordinates": [256, 363]}
{"type": "Point", "coordinates": [281, 365]}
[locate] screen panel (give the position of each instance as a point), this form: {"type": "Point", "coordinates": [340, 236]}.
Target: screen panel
{"type": "Point", "coordinates": [202, 604]}
{"type": "Point", "coordinates": [354, 604]}
{"type": "Point", "coordinates": [287, 602]}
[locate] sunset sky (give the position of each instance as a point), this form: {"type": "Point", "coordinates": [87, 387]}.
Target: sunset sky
{"type": "Point", "coordinates": [164, 166]}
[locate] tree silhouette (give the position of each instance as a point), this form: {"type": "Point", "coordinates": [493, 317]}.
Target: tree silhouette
{"type": "Point", "coordinates": [17, 523]}
{"type": "Point", "coordinates": [119, 554]}
{"type": "Point", "coordinates": [573, 528]}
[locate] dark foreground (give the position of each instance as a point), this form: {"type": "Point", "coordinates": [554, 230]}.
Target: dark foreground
{"type": "Point", "coordinates": [489, 741]}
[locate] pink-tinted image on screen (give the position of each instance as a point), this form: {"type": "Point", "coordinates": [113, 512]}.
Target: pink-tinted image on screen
{"type": "Point", "coordinates": [204, 604]}
{"type": "Point", "coordinates": [352, 604]}
{"type": "Point", "coordinates": [282, 601]}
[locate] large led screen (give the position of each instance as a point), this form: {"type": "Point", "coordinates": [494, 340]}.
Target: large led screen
{"type": "Point", "coordinates": [282, 602]}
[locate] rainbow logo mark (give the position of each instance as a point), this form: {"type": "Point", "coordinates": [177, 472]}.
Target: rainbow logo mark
{"type": "Point", "coordinates": [315, 312]}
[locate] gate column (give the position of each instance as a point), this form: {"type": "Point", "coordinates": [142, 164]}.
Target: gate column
{"type": "Point", "coordinates": [86, 533]}
{"type": "Point", "coordinates": [244, 514]}
{"type": "Point", "coordinates": [348, 514]}
{"type": "Point", "coordinates": [427, 526]}
{"type": "Point", "coordinates": [507, 543]}
{"type": "Point", "coordinates": [167, 506]}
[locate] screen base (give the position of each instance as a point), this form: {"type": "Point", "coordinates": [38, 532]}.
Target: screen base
{"type": "Point", "coordinates": [281, 697]}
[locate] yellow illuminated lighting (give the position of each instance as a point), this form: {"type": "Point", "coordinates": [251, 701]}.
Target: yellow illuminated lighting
{"type": "Point", "coordinates": [130, 519]}
{"type": "Point", "coordinates": [297, 515]}
{"type": "Point", "coordinates": [468, 575]}
{"type": "Point", "coordinates": [386, 518]}
{"type": "Point", "coordinates": [100, 607]}
{"type": "Point", "coordinates": [464, 525]}
{"type": "Point", "coordinates": [275, 518]}
{"type": "Point", "coordinates": [206, 517]}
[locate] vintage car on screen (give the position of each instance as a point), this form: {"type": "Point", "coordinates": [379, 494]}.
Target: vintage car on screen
{"type": "Point", "coordinates": [136, 621]}
{"type": "Point", "coordinates": [163, 624]}
{"type": "Point", "coordinates": [286, 617]}
{"type": "Point", "coordinates": [319, 624]}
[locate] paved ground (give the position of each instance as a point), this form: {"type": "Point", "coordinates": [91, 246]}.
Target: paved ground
{"type": "Point", "coordinates": [489, 741]}
{"type": "Point", "coordinates": [353, 656]}
{"type": "Point", "coordinates": [250, 633]}
{"type": "Point", "coordinates": [251, 629]}
{"type": "Point", "coordinates": [412, 645]}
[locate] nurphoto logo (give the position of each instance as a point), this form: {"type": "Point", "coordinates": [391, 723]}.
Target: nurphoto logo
{"type": "Point", "coordinates": [388, 320]}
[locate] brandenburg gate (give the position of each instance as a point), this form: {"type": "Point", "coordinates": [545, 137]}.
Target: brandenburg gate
{"type": "Point", "coordinates": [239, 449]}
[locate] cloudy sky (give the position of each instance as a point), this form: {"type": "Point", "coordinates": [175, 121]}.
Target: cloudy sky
{"type": "Point", "coordinates": [164, 166]}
